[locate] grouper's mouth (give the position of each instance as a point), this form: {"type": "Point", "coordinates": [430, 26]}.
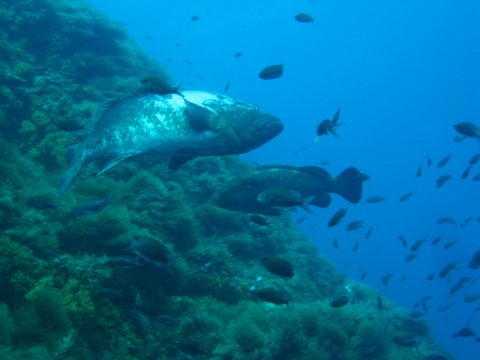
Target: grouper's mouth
{"type": "Point", "coordinates": [261, 130]}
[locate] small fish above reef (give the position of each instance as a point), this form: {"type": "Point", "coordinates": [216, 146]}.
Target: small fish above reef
{"type": "Point", "coordinates": [304, 18]}
{"type": "Point", "coordinates": [337, 217]}
{"type": "Point", "coordinates": [468, 129]}
{"type": "Point", "coordinates": [273, 296]}
{"type": "Point", "coordinates": [277, 197]}
{"type": "Point", "coordinates": [328, 126]}
{"type": "Point", "coordinates": [152, 251]}
{"type": "Point", "coordinates": [277, 266]}
{"type": "Point", "coordinates": [156, 85]}
{"type": "Point", "coordinates": [271, 72]}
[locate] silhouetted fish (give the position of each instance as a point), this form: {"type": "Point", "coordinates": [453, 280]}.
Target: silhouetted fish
{"type": "Point", "coordinates": [304, 18]}
{"type": "Point", "coordinates": [468, 129]}
{"type": "Point", "coordinates": [277, 266]}
{"type": "Point", "coordinates": [443, 161]}
{"type": "Point", "coordinates": [442, 180]}
{"type": "Point", "coordinates": [273, 296]}
{"type": "Point", "coordinates": [337, 217]}
{"type": "Point", "coordinates": [406, 196]}
{"type": "Point", "coordinates": [271, 72]}
{"type": "Point", "coordinates": [474, 262]}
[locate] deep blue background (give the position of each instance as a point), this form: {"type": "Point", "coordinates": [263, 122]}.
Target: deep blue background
{"type": "Point", "coordinates": [403, 73]}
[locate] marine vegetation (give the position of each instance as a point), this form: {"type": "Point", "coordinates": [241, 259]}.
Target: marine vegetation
{"type": "Point", "coordinates": [138, 263]}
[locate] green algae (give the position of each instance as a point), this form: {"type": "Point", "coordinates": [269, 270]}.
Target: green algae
{"type": "Point", "coordinates": [53, 265]}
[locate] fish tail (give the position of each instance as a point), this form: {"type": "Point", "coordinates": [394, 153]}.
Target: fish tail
{"type": "Point", "coordinates": [74, 156]}
{"type": "Point", "coordinates": [348, 184]}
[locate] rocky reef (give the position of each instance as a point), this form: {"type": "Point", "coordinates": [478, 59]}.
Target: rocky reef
{"type": "Point", "coordinates": [74, 287]}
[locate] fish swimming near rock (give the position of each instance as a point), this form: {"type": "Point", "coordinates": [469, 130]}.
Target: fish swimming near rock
{"type": "Point", "coordinates": [181, 127]}
{"type": "Point", "coordinates": [277, 197]}
{"type": "Point", "coordinates": [468, 129]}
{"type": "Point", "coordinates": [328, 126]}
{"type": "Point", "coordinates": [241, 194]}
{"type": "Point", "coordinates": [277, 266]}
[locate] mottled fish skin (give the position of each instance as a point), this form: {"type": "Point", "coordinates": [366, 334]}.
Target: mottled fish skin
{"type": "Point", "coordinates": [195, 123]}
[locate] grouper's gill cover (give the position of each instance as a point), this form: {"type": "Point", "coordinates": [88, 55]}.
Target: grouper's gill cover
{"type": "Point", "coordinates": [195, 123]}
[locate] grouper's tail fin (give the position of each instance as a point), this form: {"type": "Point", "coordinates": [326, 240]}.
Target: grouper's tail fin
{"type": "Point", "coordinates": [74, 158]}
{"type": "Point", "coordinates": [348, 184]}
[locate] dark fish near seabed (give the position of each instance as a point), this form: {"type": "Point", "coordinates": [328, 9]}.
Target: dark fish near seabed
{"type": "Point", "coordinates": [443, 161]}
{"type": "Point", "coordinates": [304, 18]}
{"type": "Point", "coordinates": [91, 206]}
{"type": "Point", "coordinates": [159, 86]}
{"type": "Point", "coordinates": [277, 266]}
{"type": "Point", "coordinates": [241, 193]}
{"type": "Point", "coordinates": [328, 126]}
{"type": "Point", "coordinates": [376, 199]}
{"type": "Point", "coordinates": [271, 72]}
{"type": "Point", "coordinates": [468, 129]}
{"type": "Point", "coordinates": [277, 197]}
{"type": "Point", "coordinates": [273, 296]}
{"type": "Point", "coordinates": [339, 301]}
{"type": "Point", "coordinates": [406, 196]}
{"type": "Point", "coordinates": [152, 251]}
{"type": "Point", "coordinates": [337, 217]}
{"type": "Point", "coordinates": [195, 123]}
{"type": "Point", "coordinates": [474, 262]}
{"type": "Point", "coordinates": [447, 269]}
{"type": "Point", "coordinates": [442, 180]}
{"type": "Point", "coordinates": [354, 225]}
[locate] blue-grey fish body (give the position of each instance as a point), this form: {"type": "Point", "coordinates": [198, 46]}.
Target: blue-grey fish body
{"type": "Point", "coordinates": [180, 126]}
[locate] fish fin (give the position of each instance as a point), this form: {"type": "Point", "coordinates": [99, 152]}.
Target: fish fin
{"type": "Point", "coordinates": [348, 184]}
{"type": "Point", "coordinates": [322, 200]}
{"type": "Point", "coordinates": [306, 202]}
{"type": "Point", "coordinates": [74, 155]}
{"type": "Point", "coordinates": [336, 117]}
{"type": "Point", "coordinates": [114, 161]}
{"type": "Point", "coordinates": [198, 117]}
{"type": "Point", "coordinates": [316, 171]}
{"type": "Point", "coordinates": [178, 160]}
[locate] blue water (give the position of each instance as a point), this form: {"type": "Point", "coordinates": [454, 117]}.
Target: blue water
{"type": "Point", "coordinates": [403, 72]}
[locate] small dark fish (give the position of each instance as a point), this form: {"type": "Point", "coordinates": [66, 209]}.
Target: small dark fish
{"type": "Point", "coordinates": [406, 196]}
{"type": "Point", "coordinates": [368, 233]}
{"type": "Point", "coordinates": [476, 177]}
{"type": "Point", "coordinates": [471, 298]}
{"type": "Point", "coordinates": [466, 172]}
{"type": "Point", "coordinates": [464, 279]}
{"type": "Point", "coordinates": [403, 240]}
{"type": "Point", "coordinates": [443, 161]}
{"type": "Point", "coordinates": [445, 307]}
{"type": "Point", "coordinates": [354, 225]}
{"type": "Point", "coordinates": [417, 244]}
{"type": "Point", "coordinates": [168, 320]}
{"type": "Point", "coordinates": [465, 222]}
{"type": "Point", "coordinates": [386, 279]}
{"type": "Point", "coordinates": [431, 276]}
{"type": "Point", "coordinates": [403, 278]}
{"type": "Point", "coordinates": [148, 37]}
{"type": "Point", "coordinates": [152, 251]}
{"type": "Point", "coordinates": [475, 261]}
{"type": "Point", "coordinates": [195, 18]}
{"type": "Point", "coordinates": [335, 243]}
{"type": "Point", "coordinates": [419, 171]}
{"type": "Point", "coordinates": [442, 180]}
{"type": "Point", "coordinates": [410, 257]}
{"type": "Point", "coordinates": [447, 269]}
{"type": "Point", "coordinates": [91, 206]}
{"type": "Point", "coordinates": [301, 219]}
{"type": "Point", "coordinates": [273, 296]}
{"type": "Point", "coordinates": [455, 288]}
{"type": "Point", "coordinates": [446, 220]}
{"type": "Point", "coordinates": [376, 199]}
{"type": "Point", "coordinates": [43, 202]}
{"type": "Point", "coordinates": [156, 85]}
{"type": "Point", "coordinates": [425, 307]}
{"type": "Point", "coordinates": [339, 301]}
{"type": "Point", "coordinates": [271, 72]}
{"type": "Point", "coordinates": [364, 275]}
{"type": "Point", "coordinates": [436, 240]}
{"type": "Point", "coordinates": [238, 54]}
{"type": "Point", "coordinates": [429, 160]}
{"type": "Point", "coordinates": [276, 197]}
{"type": "Point", "coordinates": [468, 129]}
{"type": "Point", "coordinates": [304, 18]}
{"type": "Point", "coordinates": [328, 126]}
{"type": "Point", "coordinates": [112, 294]}
{"type": "Point", "coordinates": [277, 266]}
{"type": "Point", "coordinates": [356, 246]}
{"type": "Point", "coordinates": [474, 159]}
{"type": "Point", "coordinates": [259, 220]}
{"type": "Point", "coordinates": [417, 314]}
{"type": "Point", "coordinates": [464, 332]}
{"type": "Point", "coordinates": [335, 219]}
{"type": "Point", "coordinates": [227, 85]}
{"type": "Point", "coordinates": [449, 244]}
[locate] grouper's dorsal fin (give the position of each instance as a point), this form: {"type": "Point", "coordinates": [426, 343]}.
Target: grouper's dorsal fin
{"type": "Point", "coordinates": [199, 118]}
{"type": "Point", "coordinates": [316, 171]}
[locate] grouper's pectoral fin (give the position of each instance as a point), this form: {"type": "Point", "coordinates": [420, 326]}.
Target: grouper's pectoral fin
{"type": "Point", "coordinates": [199, 118]}
{"type": "Point", "coordinates": [114, 161]}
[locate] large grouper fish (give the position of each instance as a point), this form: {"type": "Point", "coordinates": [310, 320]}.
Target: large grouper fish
{"type": "Point", "coordinates": [179, 126]}
{"type": "Point", "coordinates": [309, 181]}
